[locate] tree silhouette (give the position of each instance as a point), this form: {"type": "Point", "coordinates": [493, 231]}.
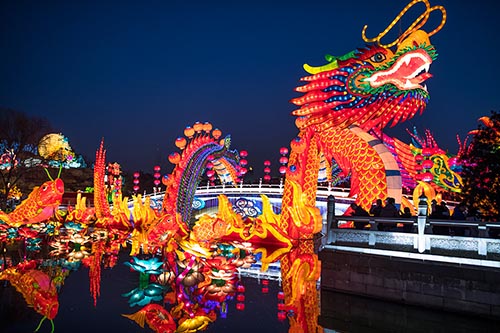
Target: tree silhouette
{"type": "Point", "coordinates": [19, 136]}
{"type": "Point", "coordinates": [481, 168]}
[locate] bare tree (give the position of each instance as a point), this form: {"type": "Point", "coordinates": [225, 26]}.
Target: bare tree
{"type": "Point", "coordinates": [19, 136]}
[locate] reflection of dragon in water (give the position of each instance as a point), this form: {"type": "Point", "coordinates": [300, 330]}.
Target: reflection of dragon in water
{"type": "Point", "coordinates": [343, 100]}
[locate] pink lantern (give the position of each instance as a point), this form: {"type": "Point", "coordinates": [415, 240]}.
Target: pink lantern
{"type": "Point", "coordinates": [210, 165]}
{"type": "Point", "coordinates": [267, 170]}
{"type": "Point", "coordinates": [283, 150]}
{"type": "Point", "coordinates": [157, 168]}
{"type": "Point", "coordinates": [267, 178]}
{"type": "Point", "coordinates": [136, 175]}
{"type": "Point", "coordinates": [427, 164]}
{"type": "Point", "coordinates": [157, 175]}
{"type": "Point", "coordinates": [427, 151]}
{"type": "Point", "coordinates": [136, 181]}
{"type": "Point", "coordinates": [243, 171]}
{"type": "Point", "coordinates": [210, 173]}
{"type": "Point", "coordinates": [156, 182]}
{"type": "Point", "coordinates": [243, 153]}
{"type": "Point", "coordinates": [283, 160]}
{"type": "Point", "coordinates": [282, 169]}
{"type": "Point", "coordinates": [427, 177]}
{"type": "Point", "coordinates": [136, 188]}
{"type": "Point", "coordinates": [267, 163]}
{"type": "Point", "coordinates": [243, 162]}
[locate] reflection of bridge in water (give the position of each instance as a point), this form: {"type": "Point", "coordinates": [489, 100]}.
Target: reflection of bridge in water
{"type": "Point", "coordinates": [403, 265]}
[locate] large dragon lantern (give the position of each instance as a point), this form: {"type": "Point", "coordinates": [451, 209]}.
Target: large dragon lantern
{"type": "Point", "coordinates": [366, 89]}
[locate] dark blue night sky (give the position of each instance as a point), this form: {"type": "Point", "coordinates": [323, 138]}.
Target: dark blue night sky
{"type": "Point", "coordinates": [136, 73]}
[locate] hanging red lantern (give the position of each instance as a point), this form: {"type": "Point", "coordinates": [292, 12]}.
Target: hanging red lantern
{"type": "Point", "coordinates": [174, 158]}
{"type": "Point", "coordinates": [283, 150]}
{"type": "Point", "coordinates": [281, 306]}
{"type": "Point", "coordinates": [157, 175]}
{"type": "Point", "coordinates": [198, 127]}
{"type": "Point", "coordinates": [156, 182]}
{"type": "Point", "coordinates": [243, 153]}
{"type": "Point", "coordinates": [240, 306]}
{"type": "Point", "coordinates": [210, 165]}
{"type": "Point", "coordinates": [282, 169]}
{"type": "Point", "coordinates": [281, 295]}
{"type": "Point", "coordinates": [419, 158]}
{"type": "Point", "coordinates": [427, 177]}
{"type": "Point", "coordinates": [267, 170]}
{"type": "Point", "coordinates": [136, 181]}
{"type": "Point", "coordinates": [136, 188]}
{"type": "Point", "coordinates": [427, 164]}
{"type": "Point", "coordinates": [207, 127]}
{"type": "Point", "coordinates": [240, 298]}
{"type": "Point", "coordinates": [243, 171]}
{"type": "Point", "coordinates": [156, 168]}
{"type": "Point", "coordinates": [243, 162]}
{"type": "Point", "coordinates": [265, 290]}
{"type": "Point", "coordinates": [283, 160]}
{"type": "Point", "coordinates": [427, 151]}
{"type": "Point", "coordinates": [281, 315]}
{"type": "Point", "coordinates": [210, 173]}
{"type": "Point", "coordinates": [265, 282]}
{"type": "Point", "coordinates": [267, 163]}
{"type": "Point", "coordinates": [267, 178]}
{"type": "Point", "coordinates": [136, 175]}
{"type": "Point", "coordinates": [164, 180]}
{"type": "Point", "coordinates": [240, 288]}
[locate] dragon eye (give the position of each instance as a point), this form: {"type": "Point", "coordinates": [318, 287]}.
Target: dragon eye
{"type": "Point", "coordinates": [377, 57]}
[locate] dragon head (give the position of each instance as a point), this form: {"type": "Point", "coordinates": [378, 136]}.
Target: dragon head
{"type": "Point", "coordinates": [371, 86]}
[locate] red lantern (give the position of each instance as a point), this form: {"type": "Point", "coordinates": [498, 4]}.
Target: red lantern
{"type": "Point", "coordinates": [156, 182]}
{"type": "Point", "coordinates": [419, 158]}
{"type": "Point", "coordinates": [136, 181]}
{"type": "Point", "coordinates": [240, 306]}
{"type": "Point", "coordinates": [136, 188]}
{"type": "Point", "coordinates": [265, 282]}
{"type": "Point", "coordinates": [418, 167]}
{"type": "Point", "coordinates": [267, 178]}
{"type": "Point", "coordinates": [283, 160]}
{"type": "Point", "coordinates": [283, 150]}
{"type": "Point", "coordinates": [164, 180]}
{"type": "Point", "coordinates": [157, 168]}
{"type": "Point", "coordinates": [198, 127]}
{"type": "Point", "coordinates": [267, 163]}
{"type": "Point", "coordinates": [267, 170]}
{"type": "Point", "coordinates": [157, 175]}
{"type": "Point", "coordinates": [210, 165]}
{"type": "Point", "coordinates": [243, 162]}
{"type": "Point", "coordinates": [281, 315]}
{"type": "Point", "coordinates": [281, 306]}
{"type": "Point", "coordinates": [283, 169]}
{"type": "Point", "coordinates": [281, 295]}
{"type": "Point", "coordinates": [240, 298]}
{"type": "Point", "coordinates": [243, 171]}
{"type": "Point", "coordinates": [210, 173]}
{"type": "Point", "coordinates": [243, 153]}
{"type": "Point", "coordinates": [136, 175]}
{"type": "Point", "coordinates": [240, 288]}
{"type": "Point", "coordinates": [427, 164]}
{"type": "Point", "coordinates": [265, 290]}
{"type": "Point", "coordinates": [427, 177]}
{"type": "Point", "coordinates": [427, 151]}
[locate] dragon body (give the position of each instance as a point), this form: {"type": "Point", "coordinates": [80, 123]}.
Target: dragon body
{"type": "Point", "coordinates": [342, 101]}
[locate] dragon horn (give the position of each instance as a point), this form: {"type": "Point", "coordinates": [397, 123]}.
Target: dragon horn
{"type": "Point", "coordinates": [417, 24]}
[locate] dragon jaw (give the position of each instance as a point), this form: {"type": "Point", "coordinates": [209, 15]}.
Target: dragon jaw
{"type": "Point", "coordinates": [407, 73]}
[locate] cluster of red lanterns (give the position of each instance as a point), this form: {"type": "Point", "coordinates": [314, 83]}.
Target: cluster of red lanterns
{"type": "Point", "coordinates": [424, 164]}
{"type": "Point", "coordinates": [240, 297]}
{"type": "Point", "coordinates": [157, 175]}
{"type": "Point", "coordinates": [136, 182]}
{"type": "Point", "coordinates": [283, 160]}
{"type": "Point", "coordinates": [281, 306]}
{"type": "Point", "coordinates": [267, 170]}
{"type": "Point", "coordinates": [242, 168]}
{"type": "Point", "coordinates": [265, 286]}
{"type": "Point", "coordinates": [210, 169]}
